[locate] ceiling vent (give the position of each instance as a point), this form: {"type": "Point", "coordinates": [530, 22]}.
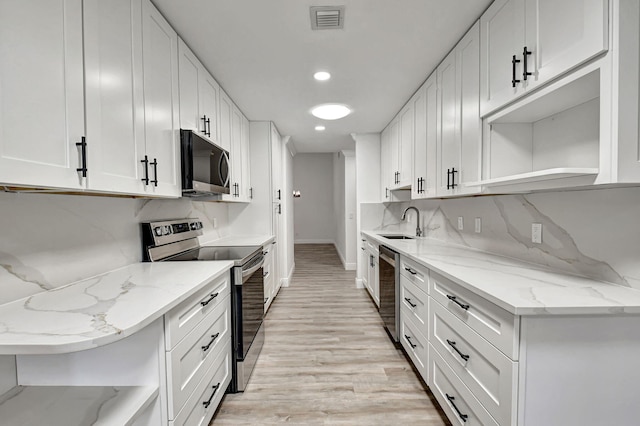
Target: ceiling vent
{"type": "Point", "coordinates": [327, 17]}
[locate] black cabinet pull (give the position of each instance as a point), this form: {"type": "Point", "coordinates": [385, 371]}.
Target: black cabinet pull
{"type": "Point", "coordinates": [409, 270]}
{"type": "Point", "coordinates": [451, 178]}
{"type": "Point", "coordinates": [455, 300]}
{"type": "Point", "coordinates": [372, 261]}
{"type": "Point", "coordinates": [266, 299]}
{"type": "Point", "coordinates": [514, 61]}
{"type": "Point", "coordinates": [409, 302]}
{"type": "Point", "coordinates": [386, 193]}
{"type": "Point", "coordinates": [207, 403]}
{"type": "Point", "coordinates": [236, 190]}
{"type": "Point", "coordinates": [213, 339]}
{"type": "Point", "coordinates": [409, 340]}
{"type": "Point", "coordinates": [455, 348]}
{"type": "Point", "coordinates": [279, 208]}
{"type": "Point", "coordinates": [264, 274]}
{"type": "Point", "coordinates": [155, 172]}
{"type": "Point", "coordinates": [420, 185]}
{"type": "Point", "coordinates": [83, 156]}
{"type": "Point", "coordinates": [206, 302]}
{"type": "Point", "coordinates": [526, 73]}
{"type": "Point", "coordinates": [204, 123]}
{"type": "Point", "coordinates": [209, 127]}
{"type": "Point", "coordinates": [463, 417]}
{"type": "Point", "coordinates": [251, 193]}
{"type": "Point", "coordinates": [279, 195]}
{"type": "Point", "coordinates": [145, 179]}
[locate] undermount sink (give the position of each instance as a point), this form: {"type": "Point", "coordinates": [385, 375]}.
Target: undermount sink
{"type": "Point", "coordinates": [397, 237]}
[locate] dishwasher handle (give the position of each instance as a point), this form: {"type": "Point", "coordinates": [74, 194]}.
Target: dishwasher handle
{"type": "Point", "coordinates": [387, 255]}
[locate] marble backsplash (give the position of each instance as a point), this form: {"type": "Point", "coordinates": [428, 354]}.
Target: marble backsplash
{"type": "Point", "coordinates": [594, 233]}
{"type": "Point", "coordinates": [47, 241]}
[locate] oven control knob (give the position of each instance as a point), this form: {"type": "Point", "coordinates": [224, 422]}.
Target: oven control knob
{"type": "Point", "coordinates": [166, 230]}
{"type": "Point", "coordinates": [193, 226]}
{"type": "Point", "coordinates": [158, 231]}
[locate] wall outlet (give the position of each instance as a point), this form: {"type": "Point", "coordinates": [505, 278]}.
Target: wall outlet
{"type": "Point", "coordinates": [215, 223]}
{"type": "Point", "coordinates": [536, 233]}
{"type": "Point", "coordinates": [460, 223]}
{"type": "Point", "coordinates": [478, 225]}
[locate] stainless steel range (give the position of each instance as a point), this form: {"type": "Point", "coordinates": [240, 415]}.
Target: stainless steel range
{"type": "Point", "coordinates": [176, 240]}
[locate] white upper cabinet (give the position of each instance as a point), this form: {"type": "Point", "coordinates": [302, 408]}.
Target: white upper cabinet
{"type": "Point", "coordinates": [405, 148]}
{"type": "Point", "coordinates": [226, 107]}
{"type": "Point", "coordinates": [199, 93]}
{"type": "Point", "coordinates": [276, 166]}
{"type": "Point", "coordinates": [526, 43]}
{"type": "Point", "coordinates": [161, 107]}
{"type": "Point", "coordinates": [114, 94]}
{"type": "Point", "coordinates": [247, 189]}
{"type": "Point", "coordinates": [425, 104]}
{"type": "Point", "coordinates": [41, 93]}
{"type": "Point", "coordinates": [386, 181]}
{"type": "Point", "coordinates": [460, 136]}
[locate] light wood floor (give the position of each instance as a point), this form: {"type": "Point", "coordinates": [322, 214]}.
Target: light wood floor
{"type": "Point", "coordinates": [327, 359]}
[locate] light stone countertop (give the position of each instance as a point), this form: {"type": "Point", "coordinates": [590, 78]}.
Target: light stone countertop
{"type": "Point", "coordinates": [103, 309]}
{"type": "Point", "coordinates": [519, 287]}
{"type": "Point", "coordinates": [241, 240]}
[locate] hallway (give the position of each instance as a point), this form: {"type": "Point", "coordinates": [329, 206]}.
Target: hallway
{"type": "Point", "coordinates": [327, 359]}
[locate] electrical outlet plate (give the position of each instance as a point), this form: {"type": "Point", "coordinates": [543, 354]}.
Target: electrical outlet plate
{"type": "Point", "coordinates": [460, 223]}
{"type": "Point", "coordinates": [478, 225]}
{"type": "Point", "coordinates": [536, 233]}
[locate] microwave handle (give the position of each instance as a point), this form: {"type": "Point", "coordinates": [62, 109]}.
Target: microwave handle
{"type": "Point", "coordinates": [224, 179]}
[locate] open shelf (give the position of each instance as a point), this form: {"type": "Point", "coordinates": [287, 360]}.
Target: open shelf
{"type": "Point", "coordinates": [537, 176]}
{"type": "Point", "coordinates": [75, 405]}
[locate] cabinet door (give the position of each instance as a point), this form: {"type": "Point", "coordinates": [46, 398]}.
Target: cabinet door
{"type": "Point", "coordinates": [373, 279]}
{"type": "Point", "coordinates": [276, 160]}
{"type": "Point", "coordinates": [188, 72]}
{"type": "Point", "coordinates": [405, 146]}
{"type": "Point", "coordinates": [448, 144]}
{"type": "Point", "coordinates": [425, 105]}
{"type": "Point", "coordinates": [41, 93]}
{"type": "Point", "coordinates": [236, 154]}
{"type": "Point", "coordinates": [114, 94]}
{"type": "Point", "coordinates": [247, 191]}
{"type": "Point", "coordinates": [160, 56]}
{"type": "Point", "coordinates": [209, 95]}
{"type": "Point", "coordinates": [364, 264]}
{"type": "Point", "coordinates": [386, 172]}
{"type": "Point", "coordinates": [394, 145]}
{"type": "Point", "coordinates": [561, 35]}
{"type": "Point", "coordinates": [502, 29]}
{"type": "Point", "coordinates": [469, 123]}
{"type": "Point", "coordinates": [226, 107]}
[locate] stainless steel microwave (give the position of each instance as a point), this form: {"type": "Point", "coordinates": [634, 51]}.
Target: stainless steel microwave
{"type": "Point", "coordinates": [205, 166]}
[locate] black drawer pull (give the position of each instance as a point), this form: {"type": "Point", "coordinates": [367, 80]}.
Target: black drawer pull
{"type": "Point", "coordinates": [206, 302]}
{"type": "Point", "coordinates": [409, 340]}
{"type": "Point", "coordinates": [514, 61]}
{"type": "Point", "coordinates": [213, 339]}
{"type": "Point", "coordinates": [266, 299]}
{"type": "Point", "coordinates": [265, 274]}
{"type": "Point", "coordinates": [455, 348]}
{"type": "Point", "coordinates": [409, 302]}
{"type": "Point", "coordinates": [411, 271]}
{"type": "Point", "coordinates": [455, 300]}
{"type": "Point", "coordinates": [463, 417]}
{"type": "Point", "coordinates": [207, 403]}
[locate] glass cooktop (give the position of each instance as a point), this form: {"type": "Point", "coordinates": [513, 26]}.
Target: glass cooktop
{"type": "Point", "coordinates": [239, 254]}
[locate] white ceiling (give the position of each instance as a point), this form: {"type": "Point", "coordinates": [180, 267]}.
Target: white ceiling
{"type": "Point", "coordinates": [264, 53]}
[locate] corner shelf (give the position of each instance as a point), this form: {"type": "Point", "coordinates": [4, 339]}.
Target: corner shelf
{"type": "Point", "coordinates": [71, 405]}
{"type": "Point", "coordinates": [537, 176]}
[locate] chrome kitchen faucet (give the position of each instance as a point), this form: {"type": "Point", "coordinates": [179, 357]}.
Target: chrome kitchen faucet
{"type": "Point", "coordinates": [404, 215]}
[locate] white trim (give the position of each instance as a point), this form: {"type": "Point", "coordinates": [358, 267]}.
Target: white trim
{"type": "Point", "coordinates": [314, 241]}
{"type": "Point", "coordinates": [286, 281]}
{"type": "Point", "coordinates": [350, 266]}
{"type": "Point", "coordinates": [359, 283]}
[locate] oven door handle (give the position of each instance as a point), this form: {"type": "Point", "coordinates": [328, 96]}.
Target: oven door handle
{"type": "Point", "coordinates": [251, 270]}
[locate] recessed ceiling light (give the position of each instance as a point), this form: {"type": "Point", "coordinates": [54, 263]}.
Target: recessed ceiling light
{"type": "Point", "coordinates": [322, 76]}
{"type": "Point", "coordinates": [320, 128]}
{"type": "Point", "coordinates": [331, 111]}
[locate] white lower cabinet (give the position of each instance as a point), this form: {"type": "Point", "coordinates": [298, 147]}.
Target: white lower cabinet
{"type": "Point", "coordinates": [455, 399]}
{"type": "Point", "coordinates": [269, 281]}
{"type": "Point", "coordinates": [415, 344]}
{"type": "Point", "coordinates": [198, 353]}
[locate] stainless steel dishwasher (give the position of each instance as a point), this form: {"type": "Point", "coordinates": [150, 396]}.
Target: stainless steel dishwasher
{"type": "Point", "coordinates": [389, 290]}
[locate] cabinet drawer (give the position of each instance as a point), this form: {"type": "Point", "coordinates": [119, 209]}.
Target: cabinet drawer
{"type": "Point", "coordinates": [486, 371]}
{"type": "Point", "coordinates": [195, 354]}
{"type": "Point", "coordinates": [214, 383]}
{"type": "Point", "coordinates": [454, 398]}
{"type": "Point", "coordinates": [184, 317]}
{"type": "Point", "coordinates": [416, 273]}
{"type": "Point", "coordinates": [415, 302]}
{"type": "Point", "coordinates": [373, 248]}
{"type": "Point", "coordinates": [415, 344]}
{"type": "Point", "coordinates": [493, 323]}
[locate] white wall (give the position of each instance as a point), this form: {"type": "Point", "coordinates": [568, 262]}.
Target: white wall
{"type": "Point", "coordinates": [350, 202]}
{"type": "Point", "coordinates": [314, 210]}
{"type": "Point", "coordinates": [339, 205]}
{"type": "Point", "coordinates": [594, 233]}
{"type": "Point", "coordinates": [289, 212]}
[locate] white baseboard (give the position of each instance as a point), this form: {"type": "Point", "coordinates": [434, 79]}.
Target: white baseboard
{"type": "Point", "coordinates": [314, 241]}
{"type": "Point", "coordinates": [359, 283]}
{"type": "Point", "coordinates": [350, 266]}
{"type": "Point", "coordinates": [286, 281]}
